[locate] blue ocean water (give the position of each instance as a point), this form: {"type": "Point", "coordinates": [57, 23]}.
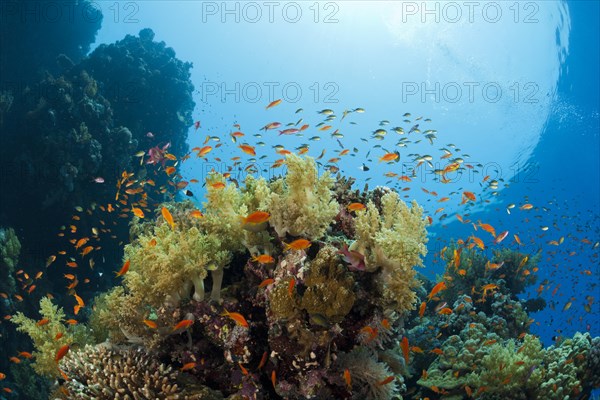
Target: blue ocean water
{"type": "Point", "coordinates": [507, 91]}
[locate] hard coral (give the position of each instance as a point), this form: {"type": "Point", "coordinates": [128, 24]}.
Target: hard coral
{"type": "Point", "coordinates": [367, 372]}
{"type": "Point", "coordinates": [102, 373]}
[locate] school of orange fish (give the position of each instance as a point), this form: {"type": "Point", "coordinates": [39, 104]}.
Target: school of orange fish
{"type": "Point", "coordinates": [132, 199]}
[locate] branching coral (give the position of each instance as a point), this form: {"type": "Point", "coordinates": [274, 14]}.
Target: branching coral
{"type": "Point", "coordinates": [48, 335]}
{"type": "Point", "coordinates": [392, 239]}
{"type": "Point", "coordinates": [302, 203]}
{"type": "Point", "coordinates": [367, 372]}
{"type": "Point", "coordinates": [98, 372]}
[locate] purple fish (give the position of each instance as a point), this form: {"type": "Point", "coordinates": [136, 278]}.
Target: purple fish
{"type": "Point", "coordinates": [354, 258]}
{"type": "Point", "coordinates": [157, 154]}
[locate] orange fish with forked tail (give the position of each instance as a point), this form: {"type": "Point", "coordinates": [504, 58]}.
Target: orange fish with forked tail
{"type": "Point", "coordinates": [123, 269]}
{"type": "Point", "coordinates": [237, 318]}
{"type": "Point", "coordinates": [436, 289]}
{"type": "Point", "coordinates": [405, 349]}
{"type": "Point", "coordinates": [61, 353]}
{"type": "Point", "coordinates": [168, 217]}
{"type": "Point", "coordinates": [298, 244]}
{"type": "Point", "coordinates": [183, 324]}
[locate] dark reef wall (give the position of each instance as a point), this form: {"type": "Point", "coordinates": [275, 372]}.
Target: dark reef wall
{"type": "Point", "coordinates": [70, 125]}
{"type": "Point", "coordinates": [33, 33]}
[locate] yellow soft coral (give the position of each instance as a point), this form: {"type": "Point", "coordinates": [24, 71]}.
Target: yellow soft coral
{"type": "Point", "coordinates": [165, 272]}
{"type": "Point", "coordinates": [44, 334]}
{"type": "Point", "coordinates": [302, 204]}
{"type": "Point", "coordinates": [393, 241]}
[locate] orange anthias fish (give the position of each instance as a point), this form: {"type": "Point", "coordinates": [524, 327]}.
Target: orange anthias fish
{"type": "Point", "coordinates": [137, 212]}
{"type": "Point", "coordinates": [488, 228]}
{"type": "Point", "coordinates": [387, 380]}
{"type": "Point", "coordinates": [348, 378]}
{"type": "Point", "coordinates": [500, 237]}
{"type": "Point", "coordinates": [356, 207]}
{"type": "Point", "coordinates": [263, 259]}
{"type": "Point", "coordinates": [243, 369]}
{"type": "Point", "coordinates": [468, 196]}
{"type": "Point", "coordinates": [202, 152]}
{"type": "Point", "coordinates": [263, 360]}
{"type": "Point", "coordinates": [168, 217]}
{"type": "Point", "coordinates": [266, 282]}
{"type": "Point", "coordinates": [257, 217]}
{"type": "Point", "coordinates": [86, 250]}
{"type": "Point", "coordinates": [196, 214]}
{"type": "Point", "coordinates": [150, 324]}
{"type": "Point", "coordinates": [81, 242]}
{"type": "Point", "coordinates": [291, 286]}
{"type": "Point", "coordinates": [248, 149]}
{"type": "Point", "coordinates": [273, 104]}
{"type": "Point", "coordinates": [61, 353]}
{"type": "Point", "coordinates": [298, 244]}
{"type": "Point", "coordinates": [183, 324]}
{"type": "Point", "coordinates": [188, 366]}
{"type": "Point", "coordinates": [437, 288]}
{"type": "Point", "coordinates": [405, 349]}
{"type": "Point", "coordinates": [237, 318]}
{"type": "Point", "coordinates": [478, 242]}
{"type": "Point", "coordinates": [389, 157]}
{"type": "Point", "coordinates": [422, 309]}
{"type": "Point", "coordinates": [273, 378]}
{"type": "Point", "coordinates": [124, 269]}
{"type": "Point", "coordinates": [25, 354]}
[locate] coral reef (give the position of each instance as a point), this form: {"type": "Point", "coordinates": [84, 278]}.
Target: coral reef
{"type": "Point", "coordinates": [49, 334]}
{"type": "Point", "coordinates": [366, 372]}
{"type": "Point", "coordinates": [392, 239]}
{"type": "Point", "coordinates": [304, 309]}
{"type": "Point", "coordinates": [70, 134]}
{"type": "Point", "coordinates": [482, 363]}
{"type": "Point", "coordinates": [10, 248]}
{"type": "Point", "coordinates": [328, 314]}
{"type": "Point", "coordinates": [148, 87]}
{"type": "Point", "coordinates": [46, 30]}
{"type": "Point", "coordinates": [302, 204]}
{"type": "Point", "coordinates": [101, 372]}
